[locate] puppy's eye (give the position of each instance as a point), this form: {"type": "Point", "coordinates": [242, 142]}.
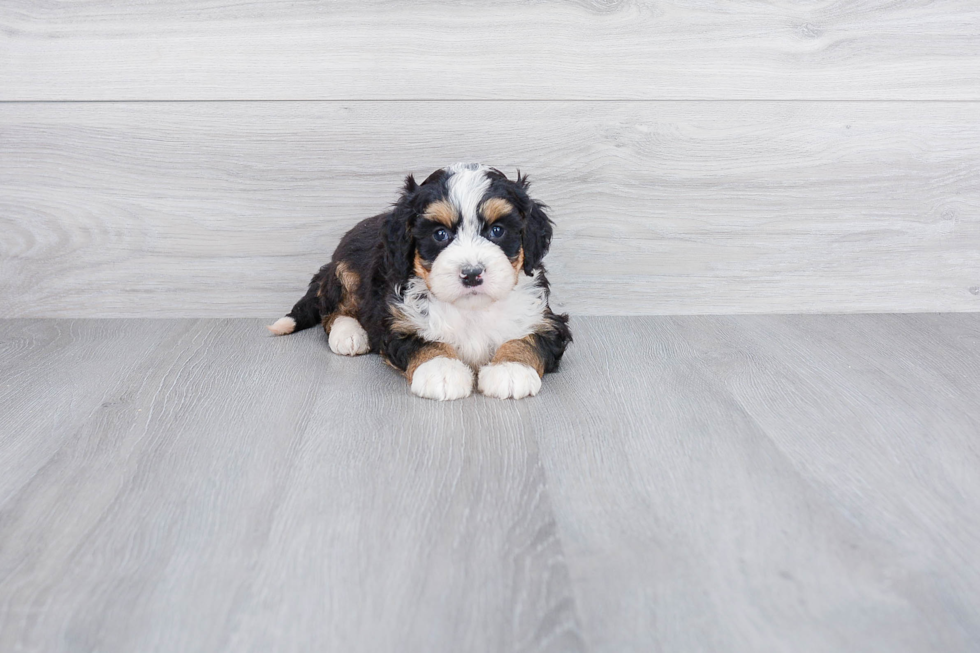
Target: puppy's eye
{"type": "Point", "coordinates": [440, 235]}
{"type": "Point", "coordinates": [496, 231]}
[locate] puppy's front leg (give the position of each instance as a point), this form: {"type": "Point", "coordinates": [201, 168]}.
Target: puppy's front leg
{"type": "Point", "coordinates": [434, 371]}
{"type": "Point", "coordinates": [515, 371]}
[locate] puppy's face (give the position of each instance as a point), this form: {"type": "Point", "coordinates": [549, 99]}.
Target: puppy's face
{"type": "Point", "coordinates": [470, 233]}
{"type": "Point", "coordinates": [468, 245]}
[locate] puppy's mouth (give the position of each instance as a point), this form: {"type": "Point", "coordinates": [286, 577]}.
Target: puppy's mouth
{"type": "Point", "coordinates": [468, 284]}
{"type": "Point", "coordinates": [474, 298]}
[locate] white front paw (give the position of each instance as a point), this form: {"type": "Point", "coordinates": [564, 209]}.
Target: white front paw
{"type": "Point", "coordinates": [509, 380]}
{"type": "Point", "coordinates": [443, 378]}
{"type": "Point", "coordinates": [347, 337]}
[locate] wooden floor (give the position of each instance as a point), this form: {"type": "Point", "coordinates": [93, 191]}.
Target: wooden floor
{"type": "Point", "coordinates": [760, 483]}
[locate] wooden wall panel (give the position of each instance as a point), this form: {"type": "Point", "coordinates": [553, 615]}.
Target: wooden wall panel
{"type": "Point", "coordinates": [442, 49]}
{"type": "Point", "coordinates": [226, 209]}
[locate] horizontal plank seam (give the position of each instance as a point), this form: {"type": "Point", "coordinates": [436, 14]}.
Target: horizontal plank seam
{"type": "Point", "coordinates": [513, 100]}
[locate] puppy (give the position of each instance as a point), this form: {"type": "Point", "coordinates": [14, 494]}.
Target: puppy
{"type": "Point", "coordinates": [447, 282]}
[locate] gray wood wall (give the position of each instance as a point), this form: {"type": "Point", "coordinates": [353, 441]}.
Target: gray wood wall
{"type": "Point", "coordinates": [202, 158]}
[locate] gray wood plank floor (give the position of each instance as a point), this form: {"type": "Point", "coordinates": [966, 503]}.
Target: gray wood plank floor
{"type": "Point", "coordinates": [754, 483]}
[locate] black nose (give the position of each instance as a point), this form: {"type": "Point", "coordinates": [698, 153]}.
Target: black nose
{"type": "Point", "coordinates": [471, 276]}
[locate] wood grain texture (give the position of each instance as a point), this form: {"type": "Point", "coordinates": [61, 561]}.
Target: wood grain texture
{"type": "Point", "coordinates": [54, 374]}
{"type": "Point", "coordinates": [437, 49]}
{"type": "Point", "coordinates": [208, 488]}
{"type": "Point", "coordinates": [803, 483]}
{"type": "Point", "coordinates": [763, 483]}
{"type": "Point", "coordinates": [226, 209]}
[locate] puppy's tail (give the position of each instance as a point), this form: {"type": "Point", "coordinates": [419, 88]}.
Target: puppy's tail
{"type": "Point", "coordinates": [306, 312]}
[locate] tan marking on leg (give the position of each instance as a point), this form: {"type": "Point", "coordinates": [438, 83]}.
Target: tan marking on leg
{"type": "Point", "coordinates": [350, 281]}
{"type": "Point", "coordinates": [495, 208]}
{"type": "Point", "coordinates": [427, 353]}
{"type": "Point", "coordinates": [520, 351]}
{"type": "Point", "coordinates": [441, 212]}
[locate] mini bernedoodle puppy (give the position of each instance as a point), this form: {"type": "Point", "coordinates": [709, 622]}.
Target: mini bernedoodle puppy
{"type": "Point", "coordinates": [447, 282]}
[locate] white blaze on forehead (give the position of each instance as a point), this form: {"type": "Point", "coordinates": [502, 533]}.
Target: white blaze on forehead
{"type": "Point", "coordinates": [468, 184]}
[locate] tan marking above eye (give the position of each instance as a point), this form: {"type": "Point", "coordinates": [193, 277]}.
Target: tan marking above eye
{"type": "Point", "coordinates": [441, 212]}
{"type": "Point", "coordinates": [495, 208]}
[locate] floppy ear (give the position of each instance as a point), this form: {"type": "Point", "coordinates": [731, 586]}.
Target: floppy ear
{"type": "Point", "coordinates": [537, 228]}
{"type": "Point", "coordinates": [396, 234]}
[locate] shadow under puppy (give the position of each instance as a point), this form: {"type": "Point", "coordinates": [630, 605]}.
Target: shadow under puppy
{"type": "Point", "coordinates": [448, 282]}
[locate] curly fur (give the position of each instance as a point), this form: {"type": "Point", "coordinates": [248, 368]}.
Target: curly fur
{"type": "Point", "coordinates": [401, 276]}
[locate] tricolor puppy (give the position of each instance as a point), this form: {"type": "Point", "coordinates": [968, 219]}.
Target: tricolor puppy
{"type": "Point", "coordinates": [448, 283]}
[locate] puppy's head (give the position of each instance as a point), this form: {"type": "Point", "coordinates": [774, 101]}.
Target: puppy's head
{"type": "Point", "coordinates": [468, 231]}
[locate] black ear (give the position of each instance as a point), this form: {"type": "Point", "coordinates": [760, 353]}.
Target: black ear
{"type": "Point", "coordinates": [537, 228]}
{"type": "Point", "coordinates": [396, 234]}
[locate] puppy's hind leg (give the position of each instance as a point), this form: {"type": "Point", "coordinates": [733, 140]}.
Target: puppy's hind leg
{"type": "Point", "coordinates": [307, 311]}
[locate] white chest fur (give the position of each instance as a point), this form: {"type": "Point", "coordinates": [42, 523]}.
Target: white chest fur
{"type": "Point", "coordinates": [475, 333]}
